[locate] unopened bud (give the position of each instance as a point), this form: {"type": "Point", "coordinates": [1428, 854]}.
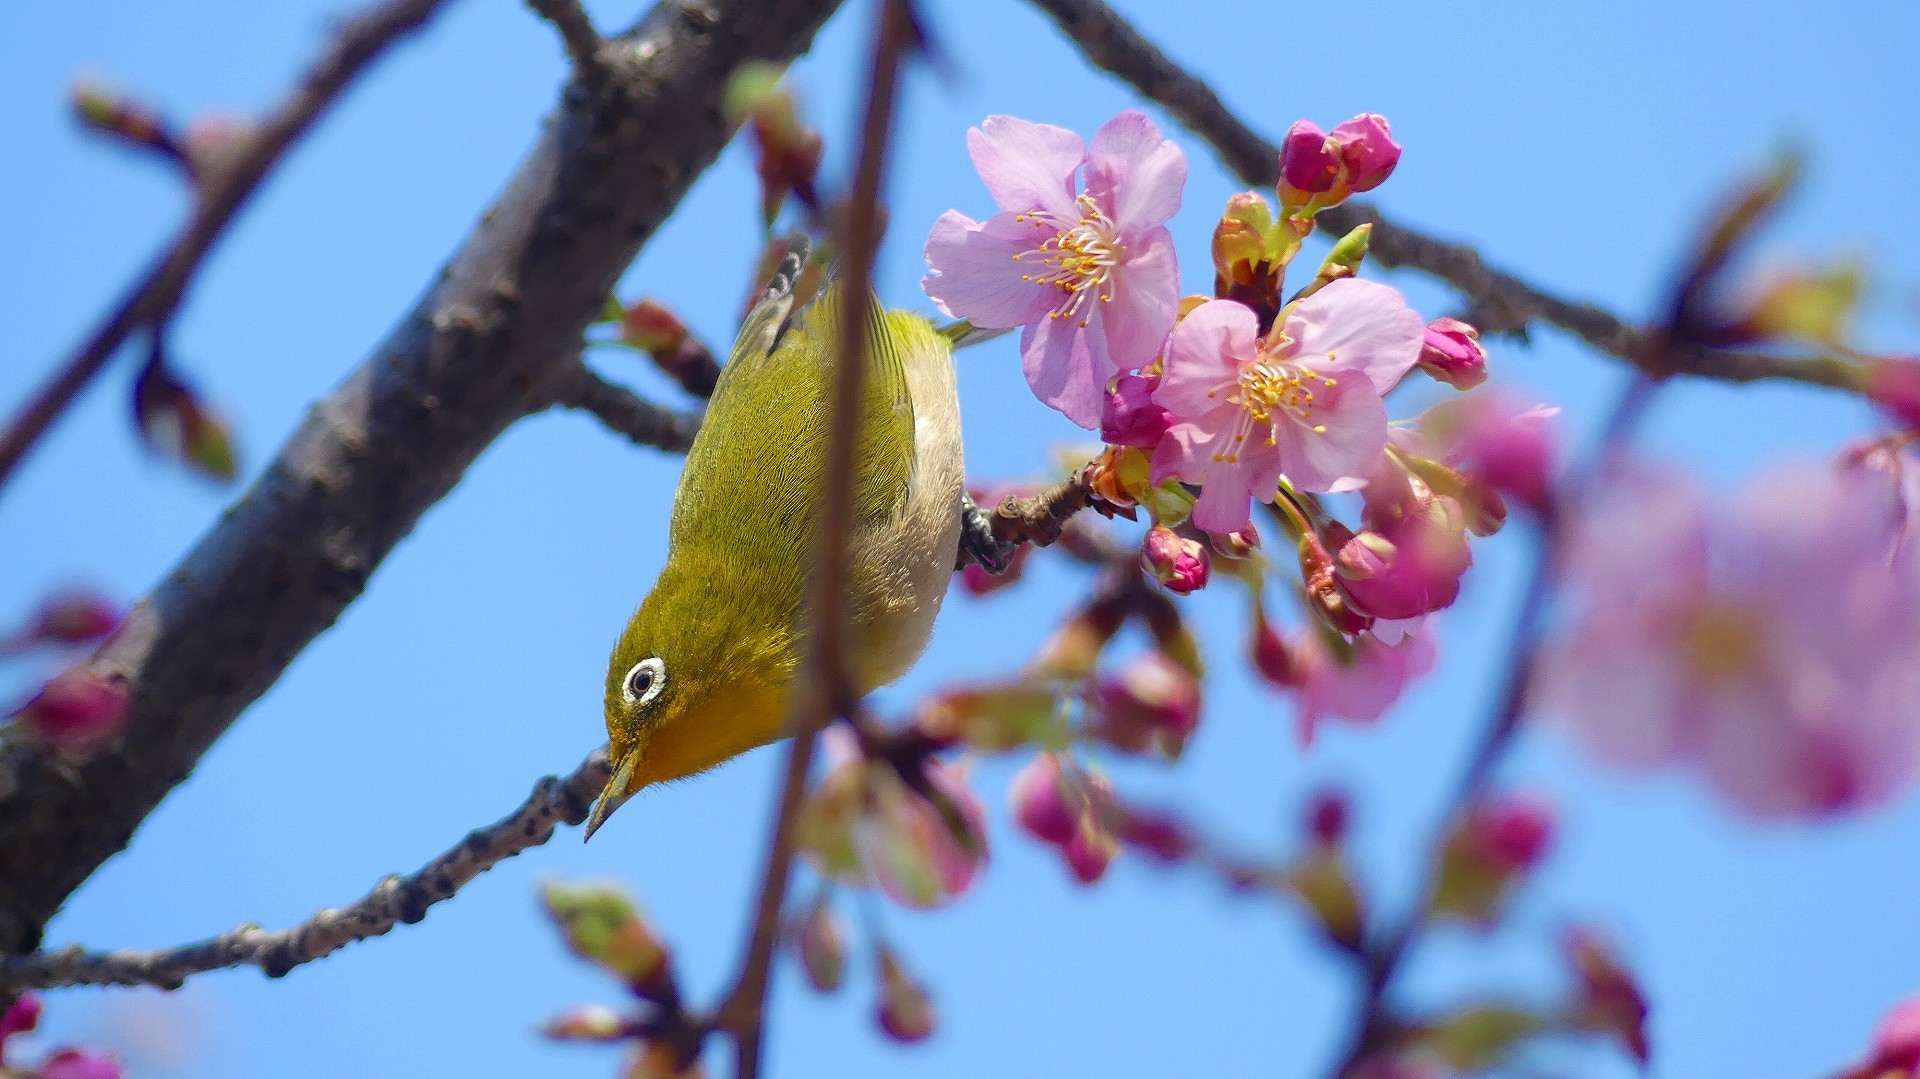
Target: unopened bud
{"type": "Point", "coordinates": [69, 617]}
{"type": "Point", "coordinates": [1367, 151]}
{"type": "Point", "coordinates": [1451, 353]}
{"type": "Point", "coordinates": [1043, 804]}
{"type": "Point", "coordinates": [905, 1009]}
{"type": "Point", "coordinates": [21, 1016]}
{"type": "Point", "coordinates": [1272, 660]}
{"type": "Point", "coordinates": [822, 943]}
{"type": "Point", "coordinates": [79, 1064]}
{"type": "Point", "coordinates": [1309, 164]}
{"type": "Point", "coordinates": [1240, 543]}
{"type": "Point", "coordinates": [1181, 564]}
{"type": "Point", "coordinates": [76, 712]}
{"type": "Point", "coordinates": [1327, 815]}
{"type": "Point", "coordinates": [602, 925]}
{"type": "Point", "coordinates": [1149, 699]}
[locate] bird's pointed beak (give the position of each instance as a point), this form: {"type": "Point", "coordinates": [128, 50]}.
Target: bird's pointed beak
{"type": "Point", "coordinates": [615, 795]}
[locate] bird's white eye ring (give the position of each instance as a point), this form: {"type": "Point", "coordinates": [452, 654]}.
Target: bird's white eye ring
{"type": "Point", "coordinates": [644, 680]}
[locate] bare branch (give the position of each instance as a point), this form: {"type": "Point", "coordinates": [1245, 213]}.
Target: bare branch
{"type": "Point", "coordinates": [743, 1013]}
{"type": "Point", "coordinates": [554, 801]}
{"type": "Point", "coordinates": [627, 412]}
{"type": "Point", "coordinates": [494, 337]}
{"type": "Point", "coordinates": [221, 192]}
{"type": "Point", "coordinates": [1499, 302]}
{"type": "Point", "coordinates": [576, 32]}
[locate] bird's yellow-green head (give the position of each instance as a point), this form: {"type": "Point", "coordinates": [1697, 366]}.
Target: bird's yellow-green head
{"type": "Point", "coordinates": [692, 683]}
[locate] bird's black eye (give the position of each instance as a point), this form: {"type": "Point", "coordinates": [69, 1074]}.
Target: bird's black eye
{"type": "Point", "coordinates": [644, 680]}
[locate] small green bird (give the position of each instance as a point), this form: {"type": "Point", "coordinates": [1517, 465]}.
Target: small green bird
{"type": "Point", "coordinates": [705, 667]}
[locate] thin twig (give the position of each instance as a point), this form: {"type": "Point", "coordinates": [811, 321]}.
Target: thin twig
{"type": "Point", "coordinates": [576, 32]}
{"type": "Point", "coordinates": [1383, 959]}
{"type": "Point", "coordinates": [743, 1013]}
{"type": "Point", "coordinates": [396, 899]}
{"type": "Point", "coordinates": [1499, 302]}
{"type": "Point", "coordinates": [222, 191]}
{"type": "Point", "coordinates": [628, 413]}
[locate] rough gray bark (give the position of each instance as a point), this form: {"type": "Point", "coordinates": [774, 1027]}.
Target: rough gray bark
{"type": "Point", "coordinates": [495, 338]}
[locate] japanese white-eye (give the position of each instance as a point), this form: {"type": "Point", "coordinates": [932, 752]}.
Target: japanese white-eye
{"type": "Point", "coordinates": [705, 667]}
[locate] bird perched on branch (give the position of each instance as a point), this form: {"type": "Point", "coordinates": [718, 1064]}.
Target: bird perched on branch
{"type": "Point", "coordinates": [706, 665]}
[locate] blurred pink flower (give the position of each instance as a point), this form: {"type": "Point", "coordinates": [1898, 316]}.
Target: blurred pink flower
{"type": "Point", "coordinates": [1361, 691]}
{"type": "Point", "coordinates": [76, 712]}
{"type": "Point", "coordinates": [1774, 645]}
{"type": "Point", "coordinates": [1305, 404]}
{"type": "Point", "coordinates": [79, 1064]}
{"type": "Point", "coordinates": [1091, 278]}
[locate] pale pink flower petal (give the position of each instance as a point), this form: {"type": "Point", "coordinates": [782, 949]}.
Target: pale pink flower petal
{"type": "Point", "coordinates": [1027, 166]}
{"type": "Point", "coordinates": [1068, 367]}
{"type": "Point", "coordinates": [1362, 691]}
{"type": "Point", "coordinates": [1361, 324]}
{"type": "Point", "coordinates": [1204, 357]}
{"type": "Point", "coordinates": [1339, 452]}
{"type": "Point", "coordinates": [976, 279]}
{"type": "Point", "coordinates": [1146, 300]}
{"type": "Point", "coordinates": [1136, 172]}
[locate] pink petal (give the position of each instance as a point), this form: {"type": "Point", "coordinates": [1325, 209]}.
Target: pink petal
{"type": "Point", "coordinates": [1146, 300]}
{"type": "Point", "coordinates": [1225, 497]}
{"type": "Point", "coordinates": [1027, 166]}
{"type": "Point", "coordinates": [1361, 324]}
{"type": "Point", "coordinates": [1134, 173]}
{"type": "Point", "coordinates": [1067, 365]}
{"type": "Point", "coordinates": [1204, 357]}
{"type": "Point", "coordinates": [974, 275]}
{"type": "Point", "coordinates": [1343, 456]}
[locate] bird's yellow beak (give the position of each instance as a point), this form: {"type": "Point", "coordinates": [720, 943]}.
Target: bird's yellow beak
{"type": "Point", "coordinates": [615, 795]}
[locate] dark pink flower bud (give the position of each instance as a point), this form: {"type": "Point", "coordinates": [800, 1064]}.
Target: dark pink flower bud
{"type": "Point", "coordinates": [1367, 151]}
{"type": "Point", "coordinates": [79, 1064]}
{"type": "Point", "coordinates": [77, 711]}
{"type": "Point", "coordinates": [1043, 804]}
{"type": "Point", "coordinates": [1894, 385]}
{"type": "Point", "coordinates": [905, 1009]}
{"type": "Point", "coordinates": [72, 616]}
{"type": "Point", "coordinates": [1129, 417]}
{"type": "Point", "coordinates": [1150, 696]}
{"type": "Point", "coordinates": [1513, 832]}
{"type": "Point", "coordinates": [1327, 816]}
{"type": "Point", "coordinates": [23, 1015]}
{"type": "Point", "coordinates": [1157, 832]}
{"type": "Point", "coordinates": [1452, 354]}
{"type": "Point", "coordinates": [1175, 561]}
{"type": "Point", "coordinates": [1309, 163]}
{"type": "Point", "coordinates": [1410, 566]}
{"type": "Point", "coordinates": [1271, 659]}
{"type": "Point", "coordinates": [1090, 851]}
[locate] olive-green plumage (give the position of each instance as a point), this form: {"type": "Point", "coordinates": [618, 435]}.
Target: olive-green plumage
{"type": "Point", "coordinates": [703, 671]}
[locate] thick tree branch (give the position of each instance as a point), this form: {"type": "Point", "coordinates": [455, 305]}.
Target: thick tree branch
{"type": "Point", "coordinates": [626, 412]}
{"type": "Point", "coordinates": [221, 192]}
{"type": "Point", "coordinates": [554, 801]}
{"type": "Point", "coordinates": [495, 337]}
{"type": "Point", "coordinates": [1499, 302]}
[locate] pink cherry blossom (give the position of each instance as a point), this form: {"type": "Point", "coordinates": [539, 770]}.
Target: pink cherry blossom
{"type": "Point", "coordinates": [1773, 645]}
{"type": "Point", "coordinates": [1359, 691]}
{"type": "Point", "coordinates": [1128, 416]}
{"type": "Point", "coordinates": [1305, 404]}
{"type": "Point", "coordinates": [1090, 277]}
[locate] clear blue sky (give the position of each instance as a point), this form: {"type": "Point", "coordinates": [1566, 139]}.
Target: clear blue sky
{"type": "Point", "coordinates": [1574, 143]}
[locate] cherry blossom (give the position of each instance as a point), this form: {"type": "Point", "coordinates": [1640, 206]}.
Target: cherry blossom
{"type": "Point", "coordinates": [1090, 277]}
